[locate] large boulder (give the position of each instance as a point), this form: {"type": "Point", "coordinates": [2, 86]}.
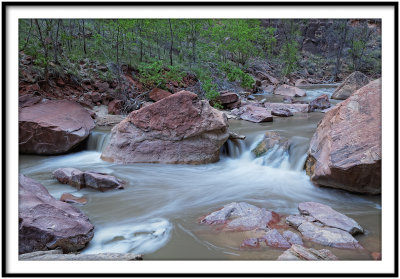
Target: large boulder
{"type": "Point", "coordinates": [53, 127]}
{"type": "Point", "coordinates": [345, 151]}
{"type": "Point", "coordinates": [291, 91]}
{"type": "Point", "coordinates": [351, 84]}
{"type": "Point", "coordinates": [46, 223]}
{"type": "Point", "coordinates": [177, 129]}
{"type": "Point", "coordinates": [253, 114]}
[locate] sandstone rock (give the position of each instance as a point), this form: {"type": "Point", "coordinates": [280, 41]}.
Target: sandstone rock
{"type": "Point", "coordinates": [292, 237]}
{"type": "Point", "coordinates": [291, 91]}
{"type": "Point", "coordinates": [319, 103]}
{"type": "Point", "coordinates": [57, 255]}
{"type": "Point", "coordinates": [233, 105]}
{"type": "Point", "coordinates": [350, 85]}
{"type": "Point", "coordinates": [28, 100]}
{"type": "Point", "coordinates": [67, 197]}
{"type": "Point", "coordinates": [297, 220]}
{"type": "Point", "coordinates": [253, 114]}
{"type": "Point", "coordinates": [294, 108]}
{"type": "Point", "coordinates": [225, 98]}
{"type": "Point", "coordinates": [102, 86]}
{"type": "Point", "coordinates": [239, 217]}
{"type": "Point", "coordinates": [115, 107]}
{"type": "Point", "coordinates": [298, 252]}
{"type": "Point", "coordinates": [329, 217]}
{"type": "Point", "coordinates": [270, 139]}
{"type": "Point", "coordinates": [274, 239]}
{"type": "Point", "coordinates": [287, 99]}
{"type": "Point", "coordinates": [376, 256]}
{"type": "Point", "coordinates": [95, 96]}
{"type": "Point", "coordinates": [283, 112]}
{"type": "Point", "coordinates": [250, 243]}
{"type": "Point", "coordinates": [301, 82]}
{"type": "Point", "coordinates": [53, 127]}
{"type": "Point", "coordinates": [71, 176]}
{"type": "Point", "coordinates": [267, 88]}
{"type": "Point", "coordinates": [177, 129]}
{"type": "Point", "coordinates": [233, 136]}
{"type": "Point", "coordinates": [157, 94]}
{"type": "Point", "coordinates": [345, 151]}
{"type": "Point", "coordinates": [46, 223]}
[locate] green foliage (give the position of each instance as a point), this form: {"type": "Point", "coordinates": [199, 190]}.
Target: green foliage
{"type": "Point", "coordinates": [234, 73]}
{"type": "Point", "coordinates": [151, 74]}
{"type": "Point", "coordinates": [208, 86]}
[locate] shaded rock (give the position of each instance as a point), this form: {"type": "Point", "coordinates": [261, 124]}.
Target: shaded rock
{"type": "Point", "coordinates": [57, 255]}
{"type": "Point", "coordinates": [319, 103]}
{"type": "Point", "coordinates": [274, 239]}
{"type": "Point", "coordinates": [253, 114]}
{"type": "Point", "coordinates": [239, 217]}
{"type": "Point", "coordinates": [267, 88]}
{"type": "Point", "coordinates": [270, 139]}
{"type": "Point", "coordinates": [233, 105]}
{"type": "Point", "coordinates": [287, 99]}
{"type": "Point", "coordinates": [233, 135]}
{"type": "Point", "coordinates": [67, 197]}
{"type": "Point", "coordinates": [291, 91]}
{"type": "Point", "coordinates": [294, 108]}
{"type": "Point", "coordinates": [177, 129]}
{"type": "Point", "coordinates": [283, 112]}
{"type": "Point", "coordinates": [101, 87]}
{"type": "Point", "coordinates": [225, 98]}
{"type": "Point", "coordinates": [350, 85]}
{"type": "Point", "coordinates": [95, 96]}
{"type": "Point", "coordinates": [28, 100]}
{"type": "Point", "coordinates": [53, 127]}
{"type": "Point", "coordinates": [46, 223]}
{"type": "Point", "coordinates": [297, 220]}
{"type": "Point", "coordinates": [251, 97]}
{"type": "Point", "coordinates": [301, 82]}
{"type": "Point", "coordinates": [329, 217]}
{"type": "Point", "coordinates": [328, 236]}
{"type": "Point", "coordinates": [71, 176]}
{"type": "Point", "coordinates": [157, 94]}
{"type": "Point", "coordinates": [345, 150]}
{"type": "Point", "coordinates": [105, 119]}
{"type": "Point", "coordinates": [102, 181]}
{"type": "Point", "coordinates": [115, 106]}
{"type": "Point", "coordinates": [292, 237]}
{"type": "Point", "coordinates": [298, 252]}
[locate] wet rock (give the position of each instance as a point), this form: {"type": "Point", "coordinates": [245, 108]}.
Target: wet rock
{"type": "Point", "coordinates": [297, 220]}
{"type": "Point", "coordinates": [287, 99]}
{"type": "Point", "coordinates": [57, 255]}
{"type": "Point", "coordinates": [177, 129]}
{"type": "Point", "coordinates": [67, 197]}
{"type": "Point", "coordinates": [329, 217]}
{"type": "Point", "coordinates": [233, 136]}
{"type": "Point", "coordinates": [291, 91]}
{"type": "Point", "coordinates": [157, 94]}
{"type": "Point", "coordinates": [239, 217]}
{"type": "Point", "coordinates": [53, 127]}
{"type": "Point", "coordinates": [251, 97]}
{"type": "Point", "coordinates": [294, 108]}
{"type": "Point", "coordinates": [46, 223]}
{"type": "Point", "coordinates": [319, 103]}
{"type": "Point", "coordinates": [292, 237]}
{"type": "Point", "coordinates": [283, 112]}
{"type": "Point", "coordinates": [274, 239]}
{"type": "Point", "coordinates": [71, 176]}
{"type": "Point", "coordinates": [345, 151]}
{"type": "Point", "coordinates": [253, 113]}
{"type": "Point", "coordinates": [250, 243]}
{"type": "Point", "coordinates": [270, 140]}
{"type": "Point", "coordinates": [350, 85]}
{"type": "Point", "coordinates": [298, 252]}
{"type": "Point", "coordinates": [102, 182]}
{"type": "Point", "coordinates": [328, 236]}
{"type": "Point", "coordinates": [115, 107]}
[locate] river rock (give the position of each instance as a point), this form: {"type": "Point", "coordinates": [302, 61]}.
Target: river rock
{"type": "Point", "coordinates": [53, 127]}
{"type": "Point", "coordinates": [28, 100]}
{"type": "Point", "coordinates": [350, 85]}
{"type": "Point", "coordinates": [253, 114]}
{"type": "Point", "coordinates": [292, 237]}
{"type": "Point", "coordinates": [298, 252]}
{"type": "Point", "coordinates": [157, 94]}
{"type": "Point", "coordinates": [270, 140]}
{"type": "Point", "coordinates": [46, 223]}
{"type": "Point", "coordinates": [345, 151]}
{"type": "Point", "coordinates": [301, 82]}
{"type": "Point", "coordinates": [328, 236]}
{"type": "Point", "coordinates": [294, 108]}
{"type": "Point", "coordinates": [71, 176]}
{"type": "Point", "coordinates": [239, 217]}
{"type": "Point", "coordinates": [297, 220]}
{"type": "Point", "coordinates": [274, 239]}
{"type": "Point", "coordinates": [250, 243]}
{"type": "Point", "coordinates": [319, 103]}
{"type": "Point", "coordinates": [291, 91]}
{"type": "Point", "coordinates": [283, 112]}
{"type": "Point", "coordinates": [177, 129]}
{"type": "Point", "coordinates": [57, 255]}
{"type": "Point", "coordinates": [234, 136]}
{"type": "Point", "coordinates": [329, 217]}
{"type": "Point", "coordinates": [226, 97]}
{"type": "Point", "coordinates": [67, 197]}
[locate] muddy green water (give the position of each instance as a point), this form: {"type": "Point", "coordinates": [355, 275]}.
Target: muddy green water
{"type": "Point", "coordinates": [156, 214]}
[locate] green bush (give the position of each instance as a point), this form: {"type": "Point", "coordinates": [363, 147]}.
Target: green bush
{"type": "Point", "coordinates": [208, 86]}
{"type": "Point", "coordinates": [234, 73]}
{"type": "Point", "coordinates": [155, 75]}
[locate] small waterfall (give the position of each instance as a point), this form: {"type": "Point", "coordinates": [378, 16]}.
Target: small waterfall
{"type": "Point", "coordinates": [98, 140]}
{"type": "Point", "coordinates": [233, 148]}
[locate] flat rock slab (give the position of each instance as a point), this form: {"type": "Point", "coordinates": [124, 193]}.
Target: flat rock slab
{"type": "Point", "coordinates": [253, 113]}
{"type": "Point", "coordinates": [46, 223]}
{"type": "Point", "coordinates": [329, 217]}
{"type": "Point", "coordinates": [291, 91]}
{"type": "Point", "coordinates": [57, 255]}
{"type": "Point", "coordinates": [298, 252]}
{"type": "Point", "coordinates": [53, 127]}
{"type": "Point", "coordinates": [293, 108]}
{"type": "Point", "coordinates": [274, 239]}
{"type": "Point", "coordinates": [292, 238]}
{"type": "Point", "coordinates": [239, 217]}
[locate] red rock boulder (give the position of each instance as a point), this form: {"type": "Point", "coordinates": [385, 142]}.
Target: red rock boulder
{"type": "Point", "coordinates": [53, 127]}
{"type": "Point", "coordinates": [177, 129]}
{"type": "Point", "coordinates": [253, 114]}
{"type": "Point", "coordinates": [345, 151]}
{"type": "Point", "coordinates": [115, 107]}
{"type": "Point", "coordinates": [350, 85]}
{"type": "Point", "coordinates": [158, 94]}
{"type": "Point", "coordinates": [320, 103]}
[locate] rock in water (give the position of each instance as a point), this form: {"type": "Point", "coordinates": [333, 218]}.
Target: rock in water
{"type": "Point", "coordinates": [46, 223]}
{"type": "Point", "coordinates": [57, 255]}
{"type": "Point", "coordinates": [319, 103]}
{"type": "Point", "coordinates": [329, 217]}
{"type": "Point", "coordinates": [345, 151]}
{"type": "Point", "coordinates": [274, 239]}
{"type": "Point", "coordinates": [253, 114]}
{"type": "Point", "coordinates": [177, 129]}
{"type": "Point", "coordinates": [291, 91]}
{"type": "Point", "coordinates": [53, 127]}
{"type": "Point", "coordinates": [270, 140]}
{"type": "Point", "coordinates": [352, 83]}
{"type": "Point", "coordinates": [293, 108]}
{"type": "Point", "coordinates": [298, 252]}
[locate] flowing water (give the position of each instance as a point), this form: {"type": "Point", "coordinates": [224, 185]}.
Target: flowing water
{"type": "Point", "coordinates": [157, 213]}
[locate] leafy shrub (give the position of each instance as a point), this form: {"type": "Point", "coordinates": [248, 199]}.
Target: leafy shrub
{"type": "Point", "coordinates": [234, 73]}
{"type": "Point", "coordinates": [155, 75]}
{"type": "Point", "coordinates": [208, 86]}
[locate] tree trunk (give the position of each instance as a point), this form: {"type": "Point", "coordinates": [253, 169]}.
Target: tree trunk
{"type": "Point", "coordinates": [84, 36]}
{"type": "Point", "coordinates": [172, 42]}
{"type": "Point", "coordinates": [46, 54]}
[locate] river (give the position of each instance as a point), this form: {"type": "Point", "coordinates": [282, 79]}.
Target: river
{"type": "Point", "coordinates": [157, 213]}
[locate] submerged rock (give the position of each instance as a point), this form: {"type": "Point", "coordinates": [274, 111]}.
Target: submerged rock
{"type": "Point", "coordinates": [270, 140]}
{"type": "Point", "coordinates": [177, 129]}
{"type": "Point", "coordinates": [250, 243]}
{"type": "Point", "coordinates": [292, 237]}
{"type": "Point", "coordinates": [67, 197]}
{"type": "Point", "coordinates": [298, 252]}
{"type": "Point", "coordinates": [283, 112]}
{"type": "Point", "coordinates": [291, 91]}
{"type": "Point", "coordinates": [46, 223]}
{"type": "Point", "coordinates": [350, 85]}
{"type": "Point", "coordinates": [345, 151]}
{"type": "Point", "coordinates": [53, 127]}
{"type": "Point", "coordinates": [274, 239]}
{"type": "Point", "coordinates": [253, 114]}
